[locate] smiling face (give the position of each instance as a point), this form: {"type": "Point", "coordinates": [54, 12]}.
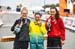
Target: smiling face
{"type": "Point", "coordinates": [37, 17]}
{"type": "Point", "coordinates": [52, 12]}
{"type": "Point", "coordinates": [24, 13]}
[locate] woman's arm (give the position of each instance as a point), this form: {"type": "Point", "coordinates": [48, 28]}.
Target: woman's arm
{"type": "Point", "coordinates": [62, 29]}
{"type": "Point", "coordinates": [12, 28]}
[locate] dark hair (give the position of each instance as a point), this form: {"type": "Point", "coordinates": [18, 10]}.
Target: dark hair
{"type": "Point", "coordinates": [57, 12]}
{"type": "Point", "coordinates": [37, 13]}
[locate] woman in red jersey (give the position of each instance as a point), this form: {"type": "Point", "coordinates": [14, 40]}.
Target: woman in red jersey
{"type": "Point", "coordinates": [56, 30]}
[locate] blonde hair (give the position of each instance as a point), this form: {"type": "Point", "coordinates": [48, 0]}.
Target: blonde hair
{"type": "Point", "coordinates": [24, 8]}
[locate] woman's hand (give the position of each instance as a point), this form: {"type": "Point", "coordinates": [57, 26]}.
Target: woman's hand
{"type": "Point", "coordinates": [39, 23]}
{"type": "Point", "coordinates": [62, 42]}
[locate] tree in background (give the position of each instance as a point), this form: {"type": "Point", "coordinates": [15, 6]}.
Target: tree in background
{"type": "Point", "coordinates": [51, 5]}
{"type": "Point", "coordinates": [57, 5]}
